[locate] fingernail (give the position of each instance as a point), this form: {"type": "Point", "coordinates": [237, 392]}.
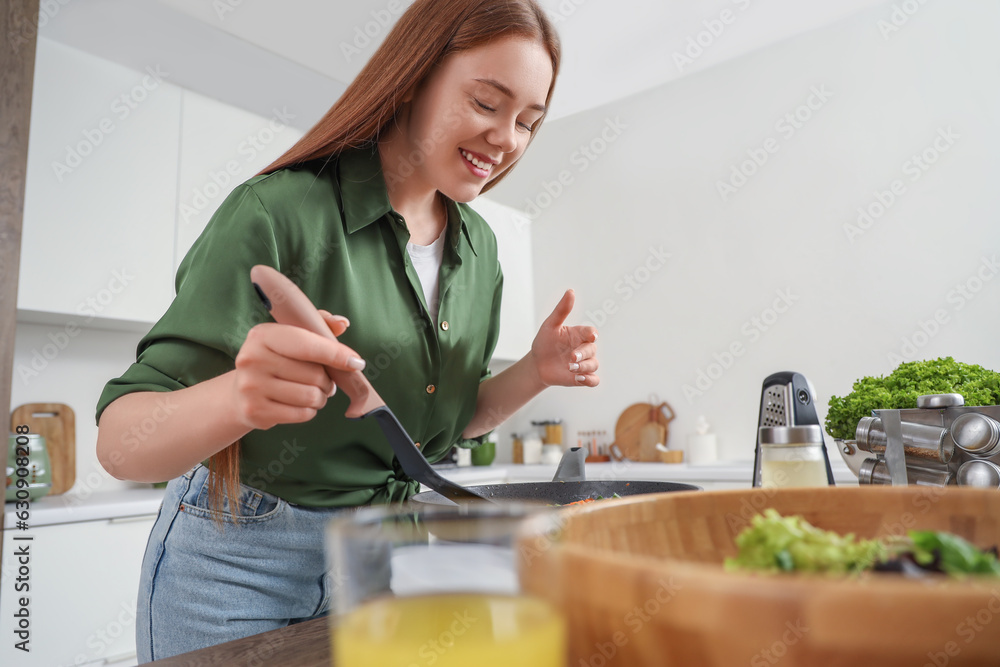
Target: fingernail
{"type": "Point", "coordinates": [595, 336]}
{"type": "Point", "coordinates": [574, 367]}
{"type": "Point", "coordinates": [580, 379]}
{"type": "Point", "coordinates": [577, 356]}
{"type": "Point", "coordinates": [357, 364]}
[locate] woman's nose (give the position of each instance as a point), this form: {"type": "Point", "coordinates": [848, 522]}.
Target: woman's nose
{"type": "Point", "coordinates": [503, 136]}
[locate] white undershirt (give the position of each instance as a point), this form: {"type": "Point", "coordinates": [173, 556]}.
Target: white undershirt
{"type": "Point", "coordinates": [427, 261]}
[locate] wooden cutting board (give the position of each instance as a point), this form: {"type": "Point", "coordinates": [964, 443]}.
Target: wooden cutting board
{"type": "Point", "coordinates": [638, 422]}
{"type": "Point", "coordinates": [57, 424]}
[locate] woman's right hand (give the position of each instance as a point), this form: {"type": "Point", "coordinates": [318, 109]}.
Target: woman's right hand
{"type": "Point", "coordinates": [281, 376]}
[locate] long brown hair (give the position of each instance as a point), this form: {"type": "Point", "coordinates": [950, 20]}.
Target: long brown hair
{"type": "Point", "coordinates": [427, 33]}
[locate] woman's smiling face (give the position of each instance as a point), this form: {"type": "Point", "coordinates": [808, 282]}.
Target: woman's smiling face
{"type": "Point", "coordinates": [471, 119]}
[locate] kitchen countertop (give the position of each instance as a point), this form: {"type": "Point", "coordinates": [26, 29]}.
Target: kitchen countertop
{"type": "Point", "coordinates": [73, 507]}
{"type": "Point", "coordinates": [301, 645]}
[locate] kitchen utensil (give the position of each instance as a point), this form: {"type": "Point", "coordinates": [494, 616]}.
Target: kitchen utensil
{"type": "Point", "coordinates": [55, 422]}
{"type": "Point", "coordinates": [649, 570]}
{"type": "Point", "coordinates": [441, 583]}
{"type": "Point", "coordinates": [980, 474]}
{"type": "Point", "coordinates": [936, 441]}
{"type": "Point", "coordinates": [288, 305]}
{"type": "Point", "coordinates": [791, 456]}
{"type": "Point", "coordinates": [571, 467]}
{"type": "Point", "coordinates": [787, 399]}
{"type": "Point", "coordinates": [29, 453]}
{"type": "Point", "coordinates": [629, 428]}
{"type": "Point", "coordinates": [923, 473]}
{"type": "Point", "coordinates": [921, 441]}
{"type": "Point", "coordinates": [976, 433]}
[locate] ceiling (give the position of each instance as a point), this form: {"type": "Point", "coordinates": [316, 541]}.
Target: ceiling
{"type": "Point", "coordinates": [258, 54]}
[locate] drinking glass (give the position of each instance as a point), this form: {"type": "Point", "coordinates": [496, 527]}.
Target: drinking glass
{"type": "Point", "coordinates": [438, 585]}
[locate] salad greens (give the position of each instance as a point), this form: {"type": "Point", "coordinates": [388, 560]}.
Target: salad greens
{"type": "Point", "coordinates": [900, 390]}
{"type": "Point", "coordinates": [953, 554]}
{"type": "Point", "coordinates": [774, 543]}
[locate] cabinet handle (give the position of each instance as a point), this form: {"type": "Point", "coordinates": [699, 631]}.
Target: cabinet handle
{"type": "Point", "coordinates": [131, 519]}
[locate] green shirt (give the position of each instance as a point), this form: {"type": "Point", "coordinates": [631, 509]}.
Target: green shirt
{"type": "Point", "coordinates": [329, 226]}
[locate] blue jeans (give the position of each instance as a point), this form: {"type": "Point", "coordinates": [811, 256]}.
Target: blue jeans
{"type": "Point", "coordinates": [201, 586]}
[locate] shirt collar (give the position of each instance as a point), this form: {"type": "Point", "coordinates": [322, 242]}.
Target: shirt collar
{"type": "Point", "coordinates": [365, 199]}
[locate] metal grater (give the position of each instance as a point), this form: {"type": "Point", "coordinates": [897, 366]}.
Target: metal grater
{"type": "Point", "coordinates": [787, 399]}
{"type": "Point", "coordinates": [774, 406]}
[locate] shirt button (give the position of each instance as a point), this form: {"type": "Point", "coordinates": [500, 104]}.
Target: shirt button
{"type": "Point", "coordinates": [444, 326]}
{"type": "Point", "coordinates": [430, 389]}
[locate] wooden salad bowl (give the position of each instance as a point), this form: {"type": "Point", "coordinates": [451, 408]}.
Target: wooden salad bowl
{"type": "Point", "coordinates": [640, 581]}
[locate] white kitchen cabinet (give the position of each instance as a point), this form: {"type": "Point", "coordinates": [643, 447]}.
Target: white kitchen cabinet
{"type": "Point", "coordinates": [84, 579]}
{"type": "Point", "coordinates": [101, 189]}
{"type": "Point", "coordinates": [517, 311]}
{"type": "Point", "coordinates": [221, 146]}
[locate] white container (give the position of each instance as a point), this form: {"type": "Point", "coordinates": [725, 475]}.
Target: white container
{"type": "Point", "coordinates": [702, 449]}
{"type": "Point", "coordinates": [532, 449]}
{"type": "Point", "coordinates": [464, 457]}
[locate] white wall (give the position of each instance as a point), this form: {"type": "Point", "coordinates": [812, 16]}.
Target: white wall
{"type": "Point", "coordinates": [854, 300]}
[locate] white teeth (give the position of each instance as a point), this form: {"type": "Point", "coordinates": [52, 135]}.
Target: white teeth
{"type": "Point", "coordinates": [479, 163]}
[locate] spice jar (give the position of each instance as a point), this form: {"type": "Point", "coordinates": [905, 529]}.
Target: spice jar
{"type": "Point", "coordinates": [792, 456]}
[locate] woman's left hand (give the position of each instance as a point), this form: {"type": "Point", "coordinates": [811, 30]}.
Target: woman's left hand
{"type": "Point", "coordinates": [564, 355]}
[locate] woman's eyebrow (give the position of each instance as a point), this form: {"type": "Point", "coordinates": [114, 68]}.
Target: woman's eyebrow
{"type": "Point", "coordinates": [509, 93]}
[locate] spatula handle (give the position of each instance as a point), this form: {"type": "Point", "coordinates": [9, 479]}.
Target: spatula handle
{"type": "Point", "coordinates": [288, 305]}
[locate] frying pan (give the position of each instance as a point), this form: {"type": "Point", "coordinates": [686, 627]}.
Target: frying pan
{"type": "Point", "coordinates": [558, 493]}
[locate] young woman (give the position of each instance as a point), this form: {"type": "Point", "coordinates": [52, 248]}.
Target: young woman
{"type": "Point", "coordinates": [367, 214]}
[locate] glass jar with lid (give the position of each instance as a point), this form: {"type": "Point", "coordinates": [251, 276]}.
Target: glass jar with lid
{"type": "Point", "coordinates": [792, 456]}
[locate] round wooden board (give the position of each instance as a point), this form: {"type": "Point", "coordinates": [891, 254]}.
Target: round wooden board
{"type": "Point", "coordinates": [632, 420]}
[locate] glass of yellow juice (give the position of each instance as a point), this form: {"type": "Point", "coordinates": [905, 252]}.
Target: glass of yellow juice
{"type": "Point", "coordinates": [438, 585]}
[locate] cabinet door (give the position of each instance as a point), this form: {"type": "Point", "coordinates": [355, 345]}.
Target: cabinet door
{"type": "Point", "coordinates": [84, 579]}
{"type": "Point", "coordinates": [101, 189]}
{"type": "Point", "coordinates": [517, 311]}
{"type": "Point", "coordinates": [221, 147]}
